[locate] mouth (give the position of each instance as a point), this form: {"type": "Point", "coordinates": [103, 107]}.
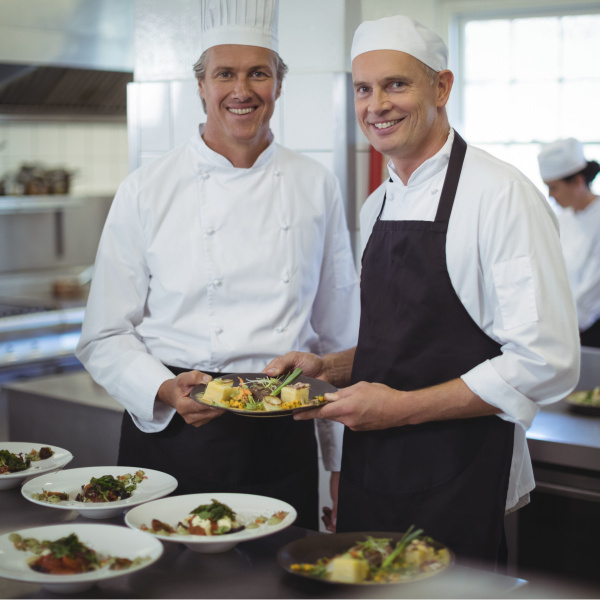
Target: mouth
{"type": "Point", "coordinates": [242, 111]}
{"type": "Point", "coordinates": [386, 124]}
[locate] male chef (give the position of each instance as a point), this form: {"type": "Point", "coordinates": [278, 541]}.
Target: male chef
{"type": "Point", "coordinates": [467, 324]}
{"type": "Point", "coordinates": [215, 258]}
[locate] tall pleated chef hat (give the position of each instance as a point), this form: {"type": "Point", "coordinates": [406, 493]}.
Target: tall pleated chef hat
{"type": "Point", "coordinates": [403, 34]}
{"type": "Point", "coordinates": [244, 22]}
{"type": "Point", "coordinates": [561, 159]}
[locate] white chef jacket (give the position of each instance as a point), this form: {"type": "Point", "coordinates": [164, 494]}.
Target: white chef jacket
{"type": "Point", "coordinates": [505, 263]}
{"type": "Point", "coordinates": [580, 240]}
{"type": "Point", "coordinates": [205, 266]}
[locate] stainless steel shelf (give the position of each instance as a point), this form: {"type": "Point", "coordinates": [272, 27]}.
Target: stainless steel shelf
{"type": "Point", "coordinates": [38, 204]}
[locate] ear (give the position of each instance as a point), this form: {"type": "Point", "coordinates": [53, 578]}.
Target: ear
{"type": "Point", "coordinates": [201, 89]}
{"type": "Point", "coordinates": [443, 84]}
{"type": "Point", "coordinates": [278, 92]}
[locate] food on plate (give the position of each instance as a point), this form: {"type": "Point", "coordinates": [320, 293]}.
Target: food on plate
{"type": "Point", "coordinates": [100, 489]}
{"type": "Point", "coordinates": [211, 519]}
{"type": "Point", "coordinates": [13, 463]}
{"type": "Point", "coordinates": [586, 397]}
{"type": "Point", "coordinates": [379, 560]}
{"type": "Point", "coordinates": [68, 556]}
{"type": "Point", "coordinates": [264, 394]}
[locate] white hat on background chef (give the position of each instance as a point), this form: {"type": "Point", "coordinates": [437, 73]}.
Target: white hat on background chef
{"type": "Point", "coordinates": [561, 159]}
{"type": "Point", "coordinates": [405, 35]}
{"type": "Point", "coordinates": [244, 22]}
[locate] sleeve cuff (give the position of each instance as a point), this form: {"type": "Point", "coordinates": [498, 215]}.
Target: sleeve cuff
{"type": "Point", "coordinates": [331, 435]}
{"type": "Point", "coordinates": [485, 381]}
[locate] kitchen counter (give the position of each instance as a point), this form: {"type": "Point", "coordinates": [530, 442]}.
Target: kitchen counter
{"type": "Point", "coordinates": [248, 571]}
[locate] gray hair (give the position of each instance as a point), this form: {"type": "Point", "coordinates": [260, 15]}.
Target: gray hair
{"type": "Point", "coordinates": [429, 72]}
{"type": "Point", "coordinates": [200, 70]}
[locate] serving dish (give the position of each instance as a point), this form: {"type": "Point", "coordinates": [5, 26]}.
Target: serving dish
{"type": "Point", "coordinates": [247, 507]}
{"type": "Point", "coordinates": [317, 388]}
{"type": "Point", "coordinates": [157, 485]}
{"type": "Point", "coordinates": [58, 460]}
{"type": "Point", "coordinates": [585, 402]}
{"type": "Point", "coordinates": [310, 549]}
{"type": "Point", "coordinates": [111, 540]}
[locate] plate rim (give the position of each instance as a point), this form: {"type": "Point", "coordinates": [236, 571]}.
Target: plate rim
{"type": "Point", "coordinates": [65, 460]}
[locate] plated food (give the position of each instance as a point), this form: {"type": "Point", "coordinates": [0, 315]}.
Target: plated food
{"type": "Point", "coordinates": [20, 460]}
{"type": "Point", "coordinates": [257, 395]}
{"type": "Point", "coordinates": [99, 492]}
{"type": "Point", "coordinates": [585, 402]}
{"type": "Point", "coordinates": [212, 523]}
{"type": "Point", "coordinates": [71, 558]}
{"type": "Point", "coordinates": [366, 558]}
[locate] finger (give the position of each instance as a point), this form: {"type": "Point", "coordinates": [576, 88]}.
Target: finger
{"type": "Point", "coordinates": [306, 415]}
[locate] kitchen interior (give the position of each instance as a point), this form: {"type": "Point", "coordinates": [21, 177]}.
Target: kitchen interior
{"type": "Point", "coordinates": [89, 91]}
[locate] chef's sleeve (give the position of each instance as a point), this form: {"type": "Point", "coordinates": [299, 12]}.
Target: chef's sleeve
{"type": "Point", "coordinates": [534, 317]}
{"type": "Point", "coordinates": [109, 347]}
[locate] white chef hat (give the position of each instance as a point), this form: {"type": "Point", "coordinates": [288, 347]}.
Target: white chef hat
{"type": "Point", "coordinates": [245, 22]}
{"type": "Point", "coordinates": [403, 34]}
{"type": "Point", "coordinates": [561, 159]}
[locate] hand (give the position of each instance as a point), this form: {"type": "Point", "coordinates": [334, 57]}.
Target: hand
{"type": "Point", "coordinates": [311, 364]}
{"type": "Point", "coordinates": [330, 514]}
{"type": "Point", "coordinates": [362, 406]}
{"type": "Point", "coordinates": [176, 393]}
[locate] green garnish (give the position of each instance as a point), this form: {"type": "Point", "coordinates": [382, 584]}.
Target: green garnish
{"type": "Point", "coordinates": [287, 381]}
{"type": "Point", "coordinates": [214, 511]}
{"type": "Point", "coordinates": [405, 540]}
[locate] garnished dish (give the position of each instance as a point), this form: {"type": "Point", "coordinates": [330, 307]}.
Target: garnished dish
{"type": "Point", "coordinates": [21, 460]}
{"type": "Point", "coordinates": [212, 522]}
{"type": "Point", "coordinates": [71, 558]}
{"type": "Point", "coordinates": [257, 395]}
{"type": "Point", "coordinates": [99, 492]}
{"type": "Point", "coordinates": [68, 556]}
{"type": "Point", "coordinates": [212, 519]}
{"type": "Point", "coordinates": [363, 558]}
{"type": "Point", "coordinates": [11, 462]}
{"type": "Point", "coordinates": [586, 402]}
{"type": "Point", "coordinates": [106, 488]}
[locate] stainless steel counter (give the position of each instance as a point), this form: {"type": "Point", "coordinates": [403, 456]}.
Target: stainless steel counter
{"type": "Point", "coordinates": [248, 571]}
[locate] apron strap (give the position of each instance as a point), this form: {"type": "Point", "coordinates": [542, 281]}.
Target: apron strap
{"type": "Point", "coordinates": [457, 157]}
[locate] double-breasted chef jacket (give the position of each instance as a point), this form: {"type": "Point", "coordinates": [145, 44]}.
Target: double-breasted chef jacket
{"type": "Point", "coordinates": [205, 266]}
{"type": "Point", "coordinates": [502, 259]}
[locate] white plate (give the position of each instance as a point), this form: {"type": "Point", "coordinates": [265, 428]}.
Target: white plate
{"type": "Point", "coordinates": [70, 481]}
{"type": "Point", "coordinates": [247, 507]}
{"type": "Point", "coordinates": [112, 540]}
{"type": "Point", "coordinates": [57, 461]}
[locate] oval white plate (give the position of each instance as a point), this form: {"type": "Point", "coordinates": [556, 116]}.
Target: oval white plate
{"type": "Point", "coordinates": [70, 481]}
{"type": "Point", "coordinates": [110, 540]}
{"type": "Point", "coordinates": [57, 461]}
{"type": "Point", "coordinates": [247, 507]}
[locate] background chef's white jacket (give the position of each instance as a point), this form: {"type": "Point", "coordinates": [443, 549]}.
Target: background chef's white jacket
{"type": "Point", "coordinates": [580, 239]}
{"type": "Point", "coordinates": [206, 266]}
{"type": "Point", "coordinates": [506, 265]}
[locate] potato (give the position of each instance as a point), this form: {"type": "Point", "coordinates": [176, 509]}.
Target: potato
{"type": "Point", "coordinates": [347, 569]}
{"type": "Point", "coordinates": [296, 391]}
{"type": "Point", "coordinates": [218, 390]}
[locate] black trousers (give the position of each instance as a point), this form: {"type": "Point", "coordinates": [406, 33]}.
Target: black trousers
{"type": "Point", "coordinates": [591, 336]}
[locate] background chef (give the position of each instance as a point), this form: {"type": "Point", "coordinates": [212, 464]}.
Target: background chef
{"type": "Point", "coordinates": [467, 321]}
{"type": "Point", "coordinates": [568, 175]}
{"type": "Point", "coordinates": [215, 258]}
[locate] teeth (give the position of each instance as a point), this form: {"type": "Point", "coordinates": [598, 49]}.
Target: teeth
{"type": "Point", "coordinates": [386, 124]}
{"type": "Point", "coordinates": [241, 111]}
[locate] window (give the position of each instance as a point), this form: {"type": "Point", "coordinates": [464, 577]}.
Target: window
{"type": "Point", "coordinates": [527, 81]}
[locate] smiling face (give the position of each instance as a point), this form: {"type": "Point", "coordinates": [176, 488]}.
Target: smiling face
{"type": "Point", "coordinates": [240, 89]}
{"type": "Point", "coordinates": [398, 108]}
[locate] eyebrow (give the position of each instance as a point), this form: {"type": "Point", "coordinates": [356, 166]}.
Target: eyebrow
{"type": "Point", "coordinates": [385, 81]}
{"type": "Point", "coordinates": [253, 68]}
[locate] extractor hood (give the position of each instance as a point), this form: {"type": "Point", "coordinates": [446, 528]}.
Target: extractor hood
{"type": "Point", "coordinates": [62, 91]}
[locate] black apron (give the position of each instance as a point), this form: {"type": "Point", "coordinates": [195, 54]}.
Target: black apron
{"type": "Point", "coordinates": [275, 457]}
{"type": "Point", "coordinates": [449, 478]}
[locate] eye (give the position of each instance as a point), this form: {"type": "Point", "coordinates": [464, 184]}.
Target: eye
{"type": "Point", "coordinates": [363, 89]}
{"type": "Point", "coordinates": [259, 74]}
{"type": "Point", "coordinates": [396, 85]}
{"type": "Point", "coordinates": [224, 74]}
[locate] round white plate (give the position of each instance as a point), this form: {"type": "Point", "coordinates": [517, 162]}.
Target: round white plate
{"type": "Point", "coordinates": [57, 461]}
{"type": "Point", "coordinates": [70, 481]}
{"type": "Point", "coordinates": [247, 507]}
{"type": "Point", "coordinates": [111, 540]}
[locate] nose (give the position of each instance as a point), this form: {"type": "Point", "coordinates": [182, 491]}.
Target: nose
{"type": "Point", "coordinates": [241, 90]}
{"type": "Point", "coordinates": [379, 102]}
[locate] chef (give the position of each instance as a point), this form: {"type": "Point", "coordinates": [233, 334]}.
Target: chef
{"type": "Point", "coordinates": [568, 175]}
{"type": "Point", "coordinates": [467, 327]}
{"type": "Point", "coordinates": [215, 258]}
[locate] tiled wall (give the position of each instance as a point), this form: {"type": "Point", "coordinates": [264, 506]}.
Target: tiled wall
{"type": "Point", "coordinates": [96, 152]}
